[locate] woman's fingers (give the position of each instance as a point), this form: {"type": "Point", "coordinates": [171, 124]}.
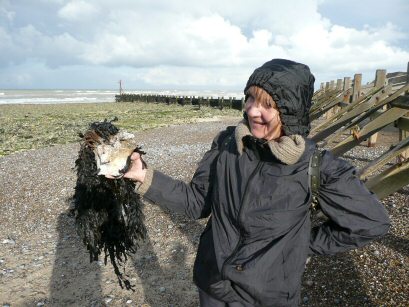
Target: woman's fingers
{"type": "Point", "coordinates": [136, 167]}
{"type": "Point", "coordinates": [135, 156]}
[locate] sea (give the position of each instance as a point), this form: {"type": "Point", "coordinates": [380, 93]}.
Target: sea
{"type": "Point", "coordinates": [56, 96]}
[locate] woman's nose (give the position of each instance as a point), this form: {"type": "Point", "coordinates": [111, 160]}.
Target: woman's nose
{"type": "Point", "coordinates": [254, 111]}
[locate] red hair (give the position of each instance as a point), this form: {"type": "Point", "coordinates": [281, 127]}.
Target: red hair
{"type": "Point", "coordinates": [261, 96]}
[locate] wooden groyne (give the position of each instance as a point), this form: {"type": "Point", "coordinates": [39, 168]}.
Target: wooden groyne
{"type": "Point", "coordinates": [220, 102]}
{"type": "Point", "coordinates": [351, 114]}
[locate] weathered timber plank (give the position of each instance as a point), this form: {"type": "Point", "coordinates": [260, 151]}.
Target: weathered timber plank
{"type": "Point", "coordinates": [372, 127]}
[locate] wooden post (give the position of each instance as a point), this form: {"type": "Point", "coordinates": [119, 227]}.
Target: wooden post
{"type": "Point", "coordinates": [347, 91]}
{"type": "Point", "coordinates": [327, 90]}
{"type": "Point", "coordinates": [403, 134]}
{"type": "Point", "coordinates": [339, 84]}
{"type": "Point", "coordinates": [407, 78]}
{"type": "Point", "coordinates": [347, 83]}
{"type": "Point", "coordinates": [380, 79]}
{"type": "Point", "coordinates": [332, 85]}
{"type": "Point", "coordinates": [338, 87]}
{"type": "Point", "coordinates": [356, 88]}
{"type": "Point", "coordinates": [321, 92]}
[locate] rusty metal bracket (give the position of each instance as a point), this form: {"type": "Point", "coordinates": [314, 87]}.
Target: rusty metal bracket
{"type": "Point", "coordinates": [386, 157]}
{"type": "Point", "coordinates": [372, 127]}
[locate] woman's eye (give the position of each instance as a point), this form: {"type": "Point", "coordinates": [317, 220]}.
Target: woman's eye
{"type": "Point", "coordinates": [250, 100]}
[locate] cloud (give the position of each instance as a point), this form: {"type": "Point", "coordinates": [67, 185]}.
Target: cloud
{"type": "Point", "coordinates": [207, 43]}
{"type": "Point", "coordinates": [8, 15]}
{"type": "Point", "coordinates": [78, 10]}
{"type": "Point", "coordinates": [27, 43]}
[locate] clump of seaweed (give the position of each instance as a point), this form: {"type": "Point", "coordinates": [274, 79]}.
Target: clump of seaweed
{"type": "Point", "coordinates": [108, 212]}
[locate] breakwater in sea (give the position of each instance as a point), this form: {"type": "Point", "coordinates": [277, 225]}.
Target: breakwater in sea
{"type": "Point", "coordinates": [219, 102]}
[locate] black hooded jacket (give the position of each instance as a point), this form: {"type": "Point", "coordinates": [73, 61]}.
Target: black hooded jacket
{"type": "Point", "coordinates": [259, 235]}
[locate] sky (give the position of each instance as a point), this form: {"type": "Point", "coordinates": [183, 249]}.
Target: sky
{"type": "Point", "coordinates": [194, 45]}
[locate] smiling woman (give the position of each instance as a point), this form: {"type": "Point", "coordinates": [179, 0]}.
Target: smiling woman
{"type": "Point", "coordinates": [253, 185]}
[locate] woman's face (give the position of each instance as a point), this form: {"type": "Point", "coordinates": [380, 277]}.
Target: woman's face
{"type": "Point", "coordinates": [264, 119]}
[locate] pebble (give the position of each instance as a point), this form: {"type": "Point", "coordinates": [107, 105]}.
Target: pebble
{"type": "Point", "coordinates": [8, 241]}
{"type": "Point", "coordinates": [162, 289]}
{"type": "Point", "coordinates": [309, 283]}
{"type": "Point", "coordinates": [376, 253]}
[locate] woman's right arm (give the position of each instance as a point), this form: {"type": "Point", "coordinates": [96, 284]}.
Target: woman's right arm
{"type": "Point", "coordinates": [190, 199]}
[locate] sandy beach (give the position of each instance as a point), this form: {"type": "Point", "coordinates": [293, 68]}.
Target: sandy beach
{"type": "Point", "coordinates": [43, 263]}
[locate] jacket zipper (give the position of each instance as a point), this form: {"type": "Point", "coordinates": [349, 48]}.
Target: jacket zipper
{"type": "Point", "coordinates": [244, 199]}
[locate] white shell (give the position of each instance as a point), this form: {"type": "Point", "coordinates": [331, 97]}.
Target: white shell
{"type": "Point", "coordinates": [112, 157]}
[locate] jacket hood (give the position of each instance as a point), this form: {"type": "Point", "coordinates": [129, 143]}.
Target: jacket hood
{"type": "Point", "coordinates": [291, 85]}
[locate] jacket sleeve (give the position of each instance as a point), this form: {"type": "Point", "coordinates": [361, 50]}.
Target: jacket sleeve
{"type": "Point", "coordinates": [190, 199]}
{"type": "Point", "coordinates": [355, 215]}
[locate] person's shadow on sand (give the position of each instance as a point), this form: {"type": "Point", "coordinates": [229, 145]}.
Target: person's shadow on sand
{"type": "Point", "coordinates": [74, 280]}
{"type": "Point", "coordinates": [77, 282]}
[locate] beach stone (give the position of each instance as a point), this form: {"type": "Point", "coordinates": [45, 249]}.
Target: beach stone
{"type": "Point", "coordinates": [309, 283]}
{"type": "Point", "coordinates": [376, 253]}
{"type": "Point", "coordinates": [8, 241]}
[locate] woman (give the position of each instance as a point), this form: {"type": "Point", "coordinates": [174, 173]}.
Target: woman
{"type": "Point", "coordinates": [253, 183]}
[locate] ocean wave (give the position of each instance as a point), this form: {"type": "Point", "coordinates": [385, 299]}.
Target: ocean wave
{"type": "Point", "coordinates": [52, 100]}
{"type": "Point", "coordinates": [56, 96]}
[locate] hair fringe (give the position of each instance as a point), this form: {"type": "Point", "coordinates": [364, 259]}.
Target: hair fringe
{"type": "Point", "coordinates": [260, 95]}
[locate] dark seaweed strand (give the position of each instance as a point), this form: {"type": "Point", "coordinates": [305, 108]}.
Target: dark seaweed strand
{"type": "Point", "coordinates": [109, 213]}
{"type": "Point", "coordinates": [105, 129]}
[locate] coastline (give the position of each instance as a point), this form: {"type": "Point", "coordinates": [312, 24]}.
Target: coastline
{"type": "Point", "coordinates": [33, 126]}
